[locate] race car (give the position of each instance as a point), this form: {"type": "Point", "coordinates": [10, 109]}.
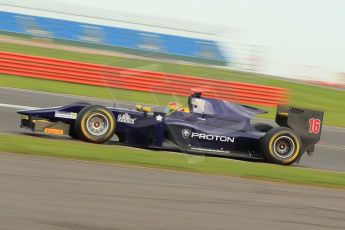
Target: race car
{"type": "Point", "coordinates": [206, 126]}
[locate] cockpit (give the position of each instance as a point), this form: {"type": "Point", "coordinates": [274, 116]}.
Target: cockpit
{"type": "Point", "coordinates": [175, 106]}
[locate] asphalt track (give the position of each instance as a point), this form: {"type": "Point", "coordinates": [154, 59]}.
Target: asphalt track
{"type": "Point", "coordinates": [329, 154]}
{"type": "Point", "coordinates": [55, 194]}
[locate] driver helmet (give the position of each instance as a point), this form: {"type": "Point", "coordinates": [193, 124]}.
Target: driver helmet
{"type": "Point", "coordinates": [175, 106]}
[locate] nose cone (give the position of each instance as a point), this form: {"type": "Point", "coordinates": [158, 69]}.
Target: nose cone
{"type": "Point", "coordinates": [23, 112]}
{"type": "Point", "coordinates": [33, 112]}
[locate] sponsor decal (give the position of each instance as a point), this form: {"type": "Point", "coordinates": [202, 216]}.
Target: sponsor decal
{"type": "Point", "coordinates": [212, 137]}
{"type": "Point", "coordinates": [67, 115]}
{"type": "Point", "coordinates": [203, 136]}
{"type": "Point", "coordinates": [210, 150]}
{"type": "Point", "coordinates": [186, 133]}
{"type": "Point", "coordinates": [126, 118]}
{"type": "Point", "coordinates": [159, 118]}
{"type": "Point", "coordinates": [53, 131]}
{"type": "Point", "coordinates": [314, 125]}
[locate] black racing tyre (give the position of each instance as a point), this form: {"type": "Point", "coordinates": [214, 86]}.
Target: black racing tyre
{"type": "Point", "coordinates": [72, 132]}
{"type": "Point", "coordinates": [95, 124]}
{"type": "Point", "coordinates": [262, 127]}
{"type": "Point", "coordinates": [281, 146]}
{"type": "Point", "coordinates": [81, 103]}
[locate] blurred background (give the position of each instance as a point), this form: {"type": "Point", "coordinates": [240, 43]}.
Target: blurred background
{"type": "Point", "coordinates": [301, 40]}
{"type": "Point", "coordinates": [296, 47]}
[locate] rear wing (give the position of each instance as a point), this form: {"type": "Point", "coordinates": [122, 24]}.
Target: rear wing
{"type": "Point", "coordinates": [307, 123]}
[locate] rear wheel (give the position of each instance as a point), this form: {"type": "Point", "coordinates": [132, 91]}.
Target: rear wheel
{"type": "Point", "coordinates": [95, 124]}
{"type": "Point", "coordinates": [281, 146]}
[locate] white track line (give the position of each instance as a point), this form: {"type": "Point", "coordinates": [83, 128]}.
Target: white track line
{"type": "Point", "coordinates": [58, 94]}
{"type": "Point", "coordinates": [78, 97]}
{"type": "Point", "coordinates": [17, 106]}
{"type": "Point", "coordinates": [331, 146]}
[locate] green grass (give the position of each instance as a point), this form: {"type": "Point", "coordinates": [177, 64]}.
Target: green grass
{"type": "Point", "coordinates": [86, 90]}
{"type": "Point", "coordinates": [166, 160]}
{"type": "Point", "coordinates": [329, 100]}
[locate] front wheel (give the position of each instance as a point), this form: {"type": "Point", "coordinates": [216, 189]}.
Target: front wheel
{"type": "Point", "coordinates": [281, 146]}
{"type": "Point", "coordinates": [95, 124]}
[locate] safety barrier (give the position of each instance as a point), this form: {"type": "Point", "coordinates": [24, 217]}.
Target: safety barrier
{"type": "Point", "coordinates": [123, 40]}
{"type": "Point", "coordinates": [131, 79]}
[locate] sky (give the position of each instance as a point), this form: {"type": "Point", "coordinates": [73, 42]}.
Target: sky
{"type": "Point", "coordinates": [292, 33]}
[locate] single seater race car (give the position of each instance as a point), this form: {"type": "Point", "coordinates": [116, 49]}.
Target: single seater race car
{"type": "Point", "coordinates": [208, 126]}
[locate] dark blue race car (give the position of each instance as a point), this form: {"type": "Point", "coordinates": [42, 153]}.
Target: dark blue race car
{"type": "Point", "coordinates": [207, 126]}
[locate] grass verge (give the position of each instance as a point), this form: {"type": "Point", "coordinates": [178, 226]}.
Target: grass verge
{"type": "Point", "coordinates": [87, 90]}
{"type": "Point", "coordinates": [309, 96]}
{"type": "Point", "coordinates": [159, 159]}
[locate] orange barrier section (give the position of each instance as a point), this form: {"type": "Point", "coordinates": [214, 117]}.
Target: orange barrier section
{"type": "Point", "coordinates": [115, 77]}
